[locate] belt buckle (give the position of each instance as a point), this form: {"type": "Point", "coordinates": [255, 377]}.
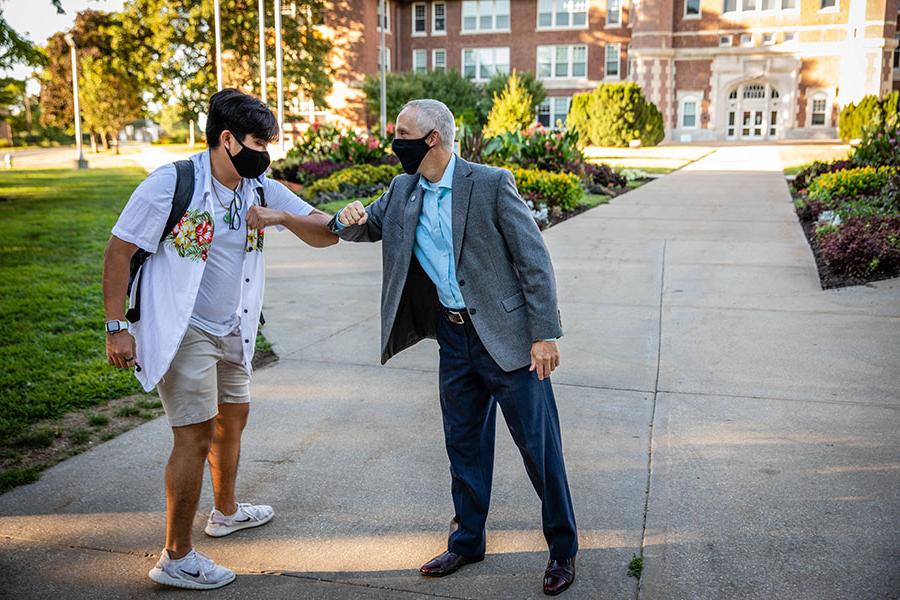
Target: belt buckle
{"type": "Point", "coordinates": [455, 317]}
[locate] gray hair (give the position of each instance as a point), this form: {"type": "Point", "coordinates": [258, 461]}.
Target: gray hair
{"type": "Point", "coordinates": [434, 114]}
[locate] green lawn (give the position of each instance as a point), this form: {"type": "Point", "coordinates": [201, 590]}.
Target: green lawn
{"type": "Point", "coordinates": [54, 225]}
{"type": "Point", "coordinates": [795, 169]}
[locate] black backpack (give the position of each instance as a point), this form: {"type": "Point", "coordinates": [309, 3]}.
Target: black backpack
{"type": "Point", "coordinates": [181, 199]}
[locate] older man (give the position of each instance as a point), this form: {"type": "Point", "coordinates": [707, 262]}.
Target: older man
{"type": "Point", "coordinates": [464, 262]}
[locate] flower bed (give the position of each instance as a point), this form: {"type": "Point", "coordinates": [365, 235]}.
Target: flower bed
{"type": "Point", "coordinates": [850, 212]}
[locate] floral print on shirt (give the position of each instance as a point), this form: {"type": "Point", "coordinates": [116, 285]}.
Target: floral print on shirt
{"type": "Point", "coordinates": [255, 239]}
{"type": "Point", "coordinates": [193, 235]}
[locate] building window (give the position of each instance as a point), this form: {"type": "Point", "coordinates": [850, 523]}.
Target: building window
{"type": "Point", "coordinates": [386, 19]}
{"type": "Point", "coordinates": [897, 54]}
{"type": "Point", "coordinates": [725, 40]}
{"type": "Point", "coordinates": [612, 61]}
{"type": "Point", "coordinates": [689, 113]}
{"type": "Point", "coordinates": [420, 61]}
{"type": "Point", "coordinates": [439, 60]}
{"type": "Point", "coordinates": [828, 5]}
{"type": "Point", "coordinates": [418, 16]}
{"type": "Point", "coordinates": [766, 4]}
{"type": "Point", "coordinates": [746, 39]}
{"type": "Point", "coordinates": [819, 110]}
{"type": "Point", "coordinates": [387, 62]}
{"type": "Point", "coordinates": [748, 5]}
{"type": "Point", "coordinates": [562, 13]}
{"type": "Point", "coordinates": [789, 36]}
{"type": "Point", "coordinates": [438, 18]}
{"type": "Point", "coordinates": [481, 64]}
{"type": "Point", "coordinates": [691, 8]}
{"type": "Point", "coordinates": [561, 62]}
{"type": "Point", "coordinates": [613, 12]}
{"type": "Point", "coordinates": [485, 15]}
{"type": "Point", "coordinates": [729, 6]}
{"type": "Point", "coordinates": [768, 39]}
{"type": "Point", "coordinates": [788, 4]}
{"type": "Point", "coordinates": [754, 91]}
{"type": "Point", "coordinates": [553, 111]}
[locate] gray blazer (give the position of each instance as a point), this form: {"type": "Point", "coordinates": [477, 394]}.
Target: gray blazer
{"type": "Point", "coordinates": [502, 265]}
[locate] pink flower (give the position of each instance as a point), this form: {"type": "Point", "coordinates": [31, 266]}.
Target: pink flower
{"type": "Point", "coordinates": [390, 128]}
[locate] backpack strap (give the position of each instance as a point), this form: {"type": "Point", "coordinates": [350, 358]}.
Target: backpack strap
{"type": "Point", "coordinates": [181, 199]}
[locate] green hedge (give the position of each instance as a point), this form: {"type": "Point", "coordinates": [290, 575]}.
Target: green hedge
{"type": "Point", "coordinates": [553, 189]}
{"type": "Point", "coordinates": [870, 112]}
{"type": "Point", "coordinates": [352, 182]}
{"type": "Point", "coordinates": [830, 188]}
{"type": "Point", "coordinates": [615, 114]}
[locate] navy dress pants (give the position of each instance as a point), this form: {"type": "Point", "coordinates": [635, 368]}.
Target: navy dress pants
{"type": "Point", "coordinates": [471, 387]}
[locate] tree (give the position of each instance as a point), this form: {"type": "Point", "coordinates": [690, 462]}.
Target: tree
{"type": "Point", "coordinates": [512, 109]}
{"type": "Point", "coordinates": [110, 97]}
{"type": "Point", "coordinates": [614, 114]}
{"type": "Point", "coordinates": [15, 49]}
{"type": "Point", "coordinates": [496, 85]}
{"type": "Point", "coordinates": [459, 94]}
{"type": "Point", "coordinates": [175, 45]}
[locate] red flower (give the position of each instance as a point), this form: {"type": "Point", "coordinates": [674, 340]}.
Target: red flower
{"type": "Point", "coordinates": [390, 128]}
{"type": "Point", "coordinates": [204, 232]}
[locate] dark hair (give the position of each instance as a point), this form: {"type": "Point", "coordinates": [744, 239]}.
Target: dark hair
{"type": "Point", "coordinates": [241, 114]}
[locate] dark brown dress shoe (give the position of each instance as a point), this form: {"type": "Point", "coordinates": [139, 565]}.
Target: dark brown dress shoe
{"type": "Point", "coordinates": [560, 574]}
{"type": "Point", "coordinates": [447, 563]}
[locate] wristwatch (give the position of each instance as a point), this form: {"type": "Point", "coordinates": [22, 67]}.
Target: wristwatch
{"type": "Point", "coordinates": [116, 326]}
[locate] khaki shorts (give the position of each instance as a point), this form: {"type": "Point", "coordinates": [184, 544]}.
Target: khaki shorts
{"type": "Point", "coordinates": [205, 372]}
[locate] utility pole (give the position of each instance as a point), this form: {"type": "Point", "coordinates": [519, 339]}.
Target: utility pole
{"type": "Point", "coordinates": [278, 80]}
{"type": "Point", "coordinates": [383, 55]}
{"type": "Point", "coordinates": [80, 162]}
{"type": "Point", "coordinates": [262, 50]}
{"type": "Point", "coordinates": [218, 26]}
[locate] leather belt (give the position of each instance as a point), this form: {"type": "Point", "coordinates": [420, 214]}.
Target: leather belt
{"type": "Point", "coordinates": [457, 317]}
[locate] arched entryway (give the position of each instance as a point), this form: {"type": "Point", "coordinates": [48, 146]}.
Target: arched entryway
{"type": "Point", "coordinates": [753, 111]}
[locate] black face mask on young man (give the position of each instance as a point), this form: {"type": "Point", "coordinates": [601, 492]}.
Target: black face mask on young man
{"type": "Point", "coordinates": [249, 163]}
{"type": "Point", "coordinates": [411, 152]}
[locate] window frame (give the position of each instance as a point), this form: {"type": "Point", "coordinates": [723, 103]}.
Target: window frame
{"type": "Point", "coordinates": [618, 75]}
{"type": "Point", "coordinates": [552, 115]}
{"type": "Point", "coordinates": [691, 16]}
{"type": "Point", "coordinates": [434, 53]}
{"type": "Point", "coordinates": [618, 22]}
{"type": "Point", "coordinates": [424, 54]}
{"type": "Point", "coordinates": [434, 29]}
{"type": "Point", "coordinates": [836, 7]}
{"type": "Point", "coordinates": [749, 38]}
{"type": "Point", "coordinates": [822, 95]}
{"type": "Point", "coordinates": [554, 6]}
{"type": "Point", "coordinates": [477, 78]}
{"type": "Point", "coordinates": [570, 61]}
{"type": "Point", "coordinates": [387, 17]}
{"type": "Point", "coordinates": [424, 31]}
{"type": "Point", "coordinates": [681, 112]}
{"type": "Point", "coordinates": [478, 17]}
{"type": "Point", "coordinates": [730, 39]}
{"type": "Point", "coordinates": [895, 55]}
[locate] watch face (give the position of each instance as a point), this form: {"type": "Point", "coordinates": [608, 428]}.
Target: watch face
{"type": "Point", "coordinates": [113, 326]}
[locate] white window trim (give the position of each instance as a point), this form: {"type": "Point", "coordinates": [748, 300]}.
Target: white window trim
{"type": "Point", "coordinates": [412, 29]}
{"type": "Point", "coordinates": [730, 39]}
{"type": "Point", "coordinates": [681, 102]}
{"type": "Point", "coordinates": [616, 24]}
{"type": "Point", "coordinates": [699, 14]}
{"type": "Point", "coordinates": [552, 27]}
{"type": "Point", "coordinates": [434, 54]}
{"type": "Point", "coordinates": [813, 95]}
{"type": "Point", "coordinates": [618, 75]}
{"type": "Point", "coordinates": [758, 11]}
{"type": "Point", "coordinates": [387, 63]}
{"type": "Point", "coordinates": [424, 53]}
{"type": "Point", "coordinates": [750, 44]}
{"type": "Point", "coordinates": [478, 78]}
{"type": "Point", "coordinates": [434, 30]}
{"type": "Point", "coordinates": [387, 10]}
{"type": "Point", "coordinates": [550, 100]}
{"type": "Point", "coordinates": [464, 31]}
{"type": "Point", "coordinates": [830, 9]}
{"type": "Point", "coordinates": [553, 76]}
{"type": "Point", "coordinates": [897, 49]}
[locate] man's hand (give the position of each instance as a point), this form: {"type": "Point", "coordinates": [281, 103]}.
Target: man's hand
{"type": "Point", "coordinates": [354, 214]}
{"type": "Point", "coordinates": [260, 217]}
{"type": "Point", "coordinates": [120, 349]}
{"type": "Point", "coordinates": [544, 358]}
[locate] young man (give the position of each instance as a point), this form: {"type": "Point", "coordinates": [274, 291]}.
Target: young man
{"type": "Point", "coordinates": [465, 263]}
{"type": "Point", "coordinates": [200, 294]}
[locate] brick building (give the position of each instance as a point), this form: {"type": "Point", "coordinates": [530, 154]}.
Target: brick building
{"type": "Point", "coordinates": [717, 69]}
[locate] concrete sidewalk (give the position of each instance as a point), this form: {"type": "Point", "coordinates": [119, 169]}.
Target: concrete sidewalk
{"type": "Point", "coordinates": [722, 416]}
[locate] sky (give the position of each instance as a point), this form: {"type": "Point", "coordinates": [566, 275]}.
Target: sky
{"type": "Point", "coordinates": [37, 19]}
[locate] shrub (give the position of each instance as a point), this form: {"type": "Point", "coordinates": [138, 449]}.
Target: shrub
{"type": "Point", "coordinates": [512, 110]}
{"type": "Point", "coordinates": [805, 176]}
{"type": "Point", "coordinates": [809, 210]}
{"type": "Point", "coordinates": [497, 84]}
{"type": "Point", "coordinates": [561, 190]}
{"type": "Point", "coordinates": [832, 188]}
{"type": "Point", "coordinates": [879, 147]}
{"type": "Point", "coordinates": [325, 142]}
{"type": "Point", "coordinates": [599, 177]}
{"type": "Point", "coordinates": [615, 114]}
{"type": "Point", "coordinates": [863, 247]}
{"type": "Point", "coordinates": [870, 112]}
{"type": "Point", "coordinates": [352, 182]}
{"type": "Point", "coordinates": [291, 169]}
{"type": "Point", "coordinates": [535, 148]}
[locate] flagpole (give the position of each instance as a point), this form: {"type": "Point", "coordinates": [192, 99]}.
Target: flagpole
{"type": "Point", "coordinates": [262, 50]}
{"type": "Point", "coordinates": [218, 26]}
{"type": "Point", "coordinates": [278, 79]}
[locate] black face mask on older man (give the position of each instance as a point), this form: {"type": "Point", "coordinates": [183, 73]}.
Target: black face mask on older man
{"type": "Point", "coordinates": [411, 153]}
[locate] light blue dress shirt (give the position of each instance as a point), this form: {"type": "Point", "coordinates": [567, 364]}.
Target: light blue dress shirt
{"type": "Point", "coordinates": [434, 237]}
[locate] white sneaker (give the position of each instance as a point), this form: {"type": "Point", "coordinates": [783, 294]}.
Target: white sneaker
{"type": "Point", "coordinates": [247, 515]}
{"type": "Point", "coordinates": [193, 571]}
